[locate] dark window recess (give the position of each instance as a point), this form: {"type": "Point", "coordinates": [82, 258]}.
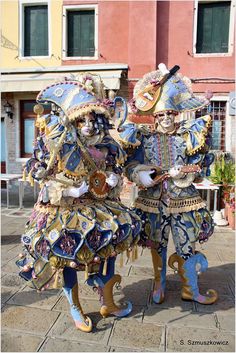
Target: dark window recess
{"type": "Point", "coordinates": [80, 33]}
{"type": "Point", "coordinates": [217, 129]}
{"type": "Point", "coordinates": [213, 27]}
{"type": "Point", "coordinates": [36, 30]}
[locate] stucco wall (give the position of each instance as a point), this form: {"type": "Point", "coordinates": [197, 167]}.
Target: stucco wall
{"type": "Point", "coordinates": [127, 34]}
{"type": "Point", "coordinates": [175, 23]}
{"type": "Point", "coordinates": [10, 51]}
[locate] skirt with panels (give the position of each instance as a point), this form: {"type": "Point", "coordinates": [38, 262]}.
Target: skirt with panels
{"type": "Point", "coordinates": [79, 236]}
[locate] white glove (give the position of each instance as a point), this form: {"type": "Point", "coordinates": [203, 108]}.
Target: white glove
{"type": "Point", "coordinates": [112, 180]}
{"type": "Point", "coordinates": [40, 173]}
{"type": "Point", "coordinates": [145, 179]}
{"type": "Point", "coordinates": [175, 172]}
{"type": "Point", "coordinates": [76, 192]}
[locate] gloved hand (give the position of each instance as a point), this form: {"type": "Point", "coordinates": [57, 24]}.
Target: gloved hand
{"type": "Point", "coordinates": [145, 179]}
{"type": "Point", "coordinates": [175, 172]}
{"type": "Point", "coordinates": [76, 192]}
{"type": "Point", "coordinates": [112, 180]}
{"type": "Point", "coordinates": [39, 174]}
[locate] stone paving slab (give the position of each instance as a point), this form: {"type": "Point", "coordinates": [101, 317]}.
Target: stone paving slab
{"type": "Point", "coordinates": [179, 340]}
{"type": "Point", "coordinates": [173, 300]}
{"type": "Point", "coordinates": [18, 342]}
{"type": "Point", "coordinates": [7, 293]}
{"type": "Point", "coordinates": [227, 255]}
{"type": "Point", "coordinates": [13, 280]}
{"type": "Point", "coordinates": [173, 317]}
{"type": "Point", "coordinates": [222, 289]}
{"type": "Point", "coordinates": [88, 305]}
{"type": "Point", "coordinates": [10, 266]}
{"type": "Point", "coordinates": [137, 290]}
{"type": "Point", "coordinates": [31, 298]}
{"type": "Point", "coordinates": [26, 319]}
{"type": "Point", "coordinates": [226, 322]}
{"type": "Point", "coordinates": [141, 271]}
{"type": "Point", "coordinates": [63, 345]}
{"type": "Point", "coordinates": [129, 333]}
{"type": "Point", "coordinates": [120, 349]}
{"type": "Point", "coordinates": [64, 328]}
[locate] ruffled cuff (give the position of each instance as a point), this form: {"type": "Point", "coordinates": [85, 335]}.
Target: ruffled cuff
{"type": "Point", "coordinates": [55, 191]}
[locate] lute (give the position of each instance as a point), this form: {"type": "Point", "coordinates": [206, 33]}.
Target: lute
{"type": "Point", "coordinates": [147, 98]}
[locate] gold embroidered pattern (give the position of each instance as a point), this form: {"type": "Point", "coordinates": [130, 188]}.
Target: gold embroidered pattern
{"type": "Point", "coordinates": [147, 205]}
{"type": "Point", "coordinates": [185, 205]}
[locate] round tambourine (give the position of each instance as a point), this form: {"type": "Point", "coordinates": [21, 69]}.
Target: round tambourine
{"type": "Point", "coordinates": [98, 186]}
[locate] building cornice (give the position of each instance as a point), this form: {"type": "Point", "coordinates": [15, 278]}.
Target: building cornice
{"type": "Point", "coordinates": [67, 68]}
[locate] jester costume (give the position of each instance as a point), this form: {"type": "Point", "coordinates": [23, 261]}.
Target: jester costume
{"type": "Point", "coordinates": [78, 222]}
{"type": "Point", "coordinates": [168, 200]}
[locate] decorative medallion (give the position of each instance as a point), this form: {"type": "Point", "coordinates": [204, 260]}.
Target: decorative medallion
{"type": "Point", "coordinates": [58, 92]}
{"type": "Point", "coordinates": [53, 235]}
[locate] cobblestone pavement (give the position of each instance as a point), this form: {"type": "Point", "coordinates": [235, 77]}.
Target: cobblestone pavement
{"type": "Point", "coordinates": [33, 322]}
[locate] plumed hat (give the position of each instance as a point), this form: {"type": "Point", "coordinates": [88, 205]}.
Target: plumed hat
{"type": "Point", "coordinates": [171, 94]}
{"type": "Point", "coordinates": [78, 96]}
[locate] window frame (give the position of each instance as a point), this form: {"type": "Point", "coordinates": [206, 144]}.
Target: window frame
{"type": "Point", "coordinates": [23, 117]}
{"type": "Point", "coordinates": [226, 142]}
{"type": "Point", "coordinates": [29, 115]}
{"type": "Point", "coordinates": [22, 5]}
{"type": "Point", "coordinates": [231, 30]}
{"type": "Point", "coordinates": [68, 8]}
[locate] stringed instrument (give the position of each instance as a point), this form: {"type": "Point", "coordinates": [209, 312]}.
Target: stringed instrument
{"type": "Point", "coordinates": [160, 176]}
{"type": "Point", "coordinates": [147, 98]}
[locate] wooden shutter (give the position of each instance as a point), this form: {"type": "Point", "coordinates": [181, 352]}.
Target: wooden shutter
{"type": "Point", "coordinates": [80, 36]}
{"type": "Point", "coordinates": [213, 27]}
{"type": "Point", "coordinates": [36, 30]}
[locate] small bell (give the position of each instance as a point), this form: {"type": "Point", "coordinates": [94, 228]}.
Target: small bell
{"type": "Point", "coordinates": [24, 174]}
{"type": "Point", "coordinates": [86, 272]}
{"type": "Point", "coordinates": [104, 271]}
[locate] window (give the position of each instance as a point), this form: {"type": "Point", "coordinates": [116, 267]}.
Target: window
{"type": "Point", "coordinates": [217, 130]}
{"type": "Point", "coordinates": [35, 30]}
{"type": "Point", "coordinates": [3, 142]}
{"type": "Point", "coordinates": [80, 37]}
{"type": "Point", "coordinates": [28, 131]}
{"type": "Point", "coordinates": [213, 27]}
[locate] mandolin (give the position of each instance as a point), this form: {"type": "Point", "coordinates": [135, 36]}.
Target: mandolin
{"type": "Point", "coordinates": [160, 176]}
{"type": "Point", "coordinates": [147, 98]}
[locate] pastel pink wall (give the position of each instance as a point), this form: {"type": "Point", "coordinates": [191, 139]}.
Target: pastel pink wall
{"type": "Point", "coordinates": [175, 43]}
{"type": "Point", "coordinates": [127, 34]}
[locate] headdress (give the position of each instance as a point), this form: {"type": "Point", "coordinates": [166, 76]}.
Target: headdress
{"type": "Point", "coordinates": [162, 91]}
{"type": "Point", "coordinates": [79, 96]}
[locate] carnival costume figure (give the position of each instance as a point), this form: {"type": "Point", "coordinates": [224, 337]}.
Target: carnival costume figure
{"type": "Point", "coordinates": [164, 163]}
{"type": "Point", "coordinates": [78, 222]}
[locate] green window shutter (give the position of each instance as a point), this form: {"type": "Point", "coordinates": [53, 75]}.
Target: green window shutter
{"type": "Point", "coordinates": [80, 33]}
{"type": "Point", "coordinates": [213, 27]}
{"type": "Point", "coordinates": [36, 30]}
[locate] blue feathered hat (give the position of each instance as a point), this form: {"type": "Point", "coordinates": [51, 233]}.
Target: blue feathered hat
{"type": "Point", "coordinates": [77, 97]}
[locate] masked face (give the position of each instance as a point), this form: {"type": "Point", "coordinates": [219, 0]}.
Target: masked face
{"type": "Point", "coordinates": [86, 125]}
{"type": "Point", "coordinates": [166, 121]}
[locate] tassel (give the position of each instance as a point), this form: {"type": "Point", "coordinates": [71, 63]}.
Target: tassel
{"type": "Point", "coordinates": [121, 260]}
{"type": "Point", "coordinates": [60, 165]}
{"type": "Point", "coordinates": [133, 255]}
{"type": "Point", "coordinates": [86, 272]}
{"type": "Point", "coordinates": [136, 252]}
{"type": "Point", "coordinates": [128, 254]}
{"type": "Point", "coordinates": [24, 174]}
{"type": "Point", "coordinates": [104, 271]}
{"type": "Point", "coordinates": [31, 180]}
